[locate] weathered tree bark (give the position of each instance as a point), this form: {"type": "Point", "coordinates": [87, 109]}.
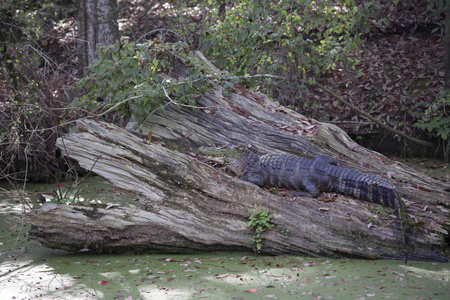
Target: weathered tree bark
{"type": "Point", "coordinates": [447, 46]}
{"type": "Point", "coordinates": [97, 25]}
{"type": "Point", "coordinates": [190, 206]}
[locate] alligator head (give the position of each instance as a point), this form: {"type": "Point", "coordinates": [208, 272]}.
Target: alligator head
{"type": "Point", "coordinates": [236, 158]}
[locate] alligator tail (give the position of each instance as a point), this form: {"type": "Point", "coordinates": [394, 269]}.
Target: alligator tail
{"type": "Point", "coordinates": [373, 189]}
{"type": "Point", "coordinates": [363, 186]}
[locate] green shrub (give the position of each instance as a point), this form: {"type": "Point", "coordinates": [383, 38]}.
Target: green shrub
{"type": "Point", "coordinates": [298, 40]}
{"type": "Point", "coordinates": [436, 118]}
{"type": "Point", "coordinates": [138, 79]}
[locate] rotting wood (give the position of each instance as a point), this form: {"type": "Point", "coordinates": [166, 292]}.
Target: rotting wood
{"type": "Point", "coordinates": [191, 206]}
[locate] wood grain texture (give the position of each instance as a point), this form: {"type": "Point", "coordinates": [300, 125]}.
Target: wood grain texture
{"type": "Point", "coordinates": [191, 206]}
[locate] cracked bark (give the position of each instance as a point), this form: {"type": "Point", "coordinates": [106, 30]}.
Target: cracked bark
{"type": "Point", "coordinates": [191, 206]}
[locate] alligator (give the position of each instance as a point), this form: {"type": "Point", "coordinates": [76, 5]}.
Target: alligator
{"type": "Point", "coordinates": [311, 176]}
{"type": "Point", "coordinates": [308, 176]}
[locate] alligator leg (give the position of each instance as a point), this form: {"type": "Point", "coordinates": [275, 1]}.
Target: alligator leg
{"type": "Point", "coordinates": [325, 159]}
{"type": "Point", "coordinates": [310, 187]}
{"type": "Point", "coordinates": [255, 178]}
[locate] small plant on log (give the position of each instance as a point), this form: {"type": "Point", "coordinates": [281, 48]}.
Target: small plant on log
{"type": "Point", "coordinates": [284, 230]}
{"type": "Point", "coordinates": [260, 220]}
{"type": "Point", "coordinates": [373, 220]}
{"type": "Point", "coordinates": [381, 210]}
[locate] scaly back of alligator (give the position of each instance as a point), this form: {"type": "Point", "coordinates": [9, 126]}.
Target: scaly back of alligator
{"type": "Point", "coordinates": [308, 176]}
{"type": "Point", "coordinates": [313, 176]}
{"type": "Point", "coordinates": [320, 174]}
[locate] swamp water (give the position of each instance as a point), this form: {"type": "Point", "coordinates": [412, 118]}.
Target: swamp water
{"type": "Point", "coordinates": [30, 271]}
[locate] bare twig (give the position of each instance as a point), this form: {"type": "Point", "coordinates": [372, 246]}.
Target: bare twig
{"type": "Point", "coordinates": [87, 176]}
{"type": "Point", "coordinates": [160, 30]}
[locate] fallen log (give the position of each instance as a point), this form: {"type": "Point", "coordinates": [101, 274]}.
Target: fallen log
{"type": "Point", "coordinates": [191, 206]}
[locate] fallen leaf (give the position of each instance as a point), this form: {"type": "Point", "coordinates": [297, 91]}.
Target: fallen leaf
{"type": "Point", "coordinates": [187, 133]}
{"type": "Point", "coordinates": [109, 206]}
{"type": "Point", "coordinates": [351, 145]}
{"type": "Point", "coordinates": [389, 174]}
{"type": "Point", "coordinates": [218, 93]}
